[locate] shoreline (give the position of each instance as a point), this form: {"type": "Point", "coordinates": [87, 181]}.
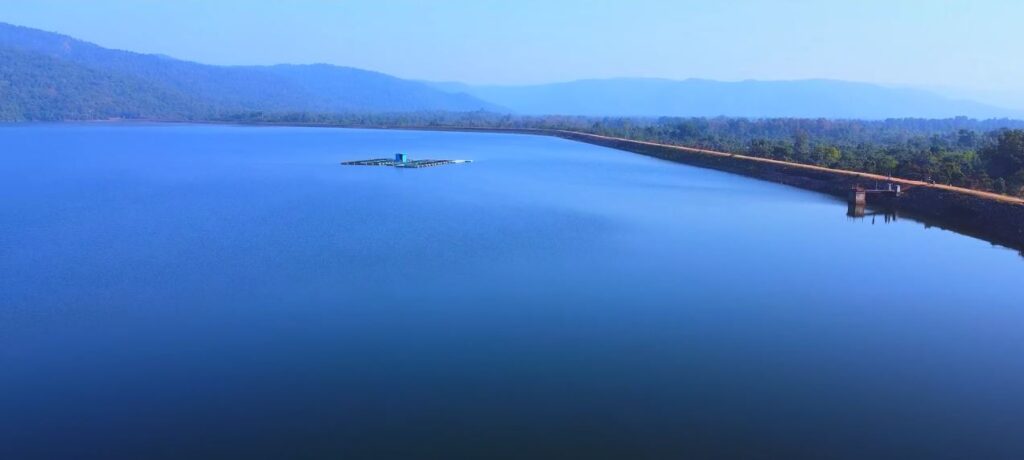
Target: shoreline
{"type": "Point", "coordinates": [997, 219]}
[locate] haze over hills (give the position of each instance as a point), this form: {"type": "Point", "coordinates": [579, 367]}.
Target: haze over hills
{"type": "Point", "coordinates": [49, 76]}
{"type": "Point", "coordinates": [649, 97]}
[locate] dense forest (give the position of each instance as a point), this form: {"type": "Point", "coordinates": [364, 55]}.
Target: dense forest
{"type": "Point", "coordinates": [979, 154]}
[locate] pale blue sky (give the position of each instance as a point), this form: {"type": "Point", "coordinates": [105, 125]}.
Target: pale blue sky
{"type": "Point", "coordinates": [976, 45]}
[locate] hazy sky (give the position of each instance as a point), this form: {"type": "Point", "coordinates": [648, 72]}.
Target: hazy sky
{"type": "Point", "coordinates": [967, 44]}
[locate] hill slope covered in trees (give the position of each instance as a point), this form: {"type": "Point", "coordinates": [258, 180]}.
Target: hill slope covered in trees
{"type": "Point", "coordinates": [88, 81]}
{"type": "Point", "coordinates": [39, 87]}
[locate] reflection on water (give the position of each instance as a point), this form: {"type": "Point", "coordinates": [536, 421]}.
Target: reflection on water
{"type": "Point", "coordinates": [855, 210]}
{"type": "Point", "coordinates": [859, 211]}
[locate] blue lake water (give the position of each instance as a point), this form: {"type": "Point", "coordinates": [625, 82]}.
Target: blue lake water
{"type": "Point", "coordinates": [175, 291]}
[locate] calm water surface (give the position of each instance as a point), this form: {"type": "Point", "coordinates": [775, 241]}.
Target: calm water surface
{"type": "Point", "coordinates": [216, 292]}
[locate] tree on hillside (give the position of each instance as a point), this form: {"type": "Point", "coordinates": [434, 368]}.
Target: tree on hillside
{"type": "Point", "coordinates": [1005, 160]}
{"type": "Point", "coordinates": [827, 155]}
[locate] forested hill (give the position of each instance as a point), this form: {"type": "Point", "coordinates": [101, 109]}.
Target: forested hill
{"type": "Point", "coordinates": [39, 87]}
{"type": "Point", "coordinates": [50, 76]}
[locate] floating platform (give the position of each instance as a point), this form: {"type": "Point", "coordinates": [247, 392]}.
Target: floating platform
{"type": "Point", "coordinates": [429, 163]}
{"type": "Point", "coordinates": [401, 161]}
{"type": "Point", "coordinates": [374, 162]}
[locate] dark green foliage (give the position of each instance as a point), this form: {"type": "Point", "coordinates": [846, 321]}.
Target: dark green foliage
{"type": "Point", "coordinates": [1005, 160]}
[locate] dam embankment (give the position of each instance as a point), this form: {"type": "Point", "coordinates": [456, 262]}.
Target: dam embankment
{"type": "Point", "coordinates": [992, 217]}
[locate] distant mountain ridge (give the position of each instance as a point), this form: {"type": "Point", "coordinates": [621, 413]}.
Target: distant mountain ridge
{"type": "Point", "coordinates": [49, 76]}
{"type": "Point", "coordinates": [650, 97]}
{"type": "Point", "coordinates": [45, 75]}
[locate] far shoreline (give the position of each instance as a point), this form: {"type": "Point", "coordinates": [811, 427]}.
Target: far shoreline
{"type": "Point", "coordinates": [997, 219]}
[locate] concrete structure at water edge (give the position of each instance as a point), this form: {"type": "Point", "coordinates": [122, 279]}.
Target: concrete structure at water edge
{"type": "Point", "coordinates": [884, 194]}
{"type": "Point", "coordinates": [402, 161]}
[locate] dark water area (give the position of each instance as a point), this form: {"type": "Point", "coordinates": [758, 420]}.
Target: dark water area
{"type": "Point", "coordinates": [233, 292]}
